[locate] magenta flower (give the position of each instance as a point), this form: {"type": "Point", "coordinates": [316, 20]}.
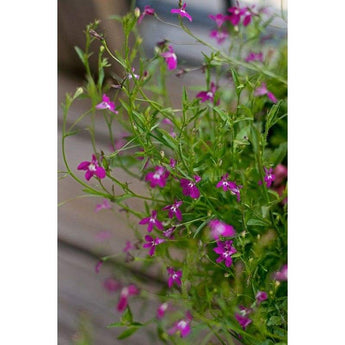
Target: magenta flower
{"type": "Point", "coordinates": [282, 274]}
{"type": "Point", "coordinates": [219, 19]}
{"type": "Point", "coordinates": [262, 90]}
{"type": "Point", "coordinates": [98, 266]}
{"type": "Point", "coordinates": [127, 291]}
{"type": "Point", "coordinates": [219, 228]}
{"type": "Point", "coordinates": [152, 221]}
{"type": "Point", "coordinates": [235, 15]}
{"type": "Point", "coordinates": [105, 205]}
{"type": "Point", "coordinates": [174, 210]}
{"type": "Point", "coordinates": [225, 250]}
{"type": "Point", "coordinates": [229, 185]}
{"type": "Point", "coordinates": [247, 16]}
{"type": "Point", "coordinates": [129, 246]}
{"type": "Point", "coordinates": [107, 104]}
{"type": "Point", "coordinates": [172, 163]}
{"type": "Point", "coordinates": [261, 296]}
{"type": "Point", "coordinates": [269, 177]}
{"type": "Point", "coordinates": [189, 187]}
{"type": "Point", "coordinates": [170, 232]}
{"type": "Point", "coordinates": [92, 168]}
{"type": "Point", "coordinates": [280, 173]}
{"type": "Point", "coordinates": [162, 309]}
{"type": "Point", "coordinates": [148, 10]}
{"type": "Point", "coordinates": [111, 285]}
{"type": "Point", "coordinates": [170, 58]}
{"type": "Point", "coordinates": [243, 320]}
{"type": "Point", "coordinates": [254, 57]}
{"type": "Point", "coordinates": [182, 12]}
{"type": "Point", "coordinates": [157, 177]}
{"type": "Point", "coordinates": [152, 243]}
{"type": "Point", "coordinates": [129, 75]}
{"type": "Point", "coordinates": [220, 36]}
{"type": "Point", "coordinates": [207, 95]}
{"type": "Point", "coordinates": [182, 326]}
{"type": "Point", "coordinates": [174, 277]}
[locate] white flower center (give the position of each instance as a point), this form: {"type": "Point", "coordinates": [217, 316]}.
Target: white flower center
{"type": "Point", "coordinates": [92, 167]}
{"type": "Point", "coordinates": [182, 324]}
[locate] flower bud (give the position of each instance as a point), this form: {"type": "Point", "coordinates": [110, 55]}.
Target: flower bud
{"type": "Point", "coordinates": [137, 12]}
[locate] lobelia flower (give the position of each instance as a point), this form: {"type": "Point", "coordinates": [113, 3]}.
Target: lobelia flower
{"type": "Point", "coordinates": [229, 185]}
{"type": "Point", "coordinates": [152, 243]}
{"type": "Point", "coordinates": [244, 321]}
{"type": "Point", "coordinates": [262, 90]}
{"type": "Point", "coordinates": [254, 57]}
{"type": "Point", "coordinates": [260, 297]}
{"type": "Point", "coordinates": [98, 266]}
{"type": "Point", "coordinates": [235, 15]}
{"type": "Point", "coordinates": [225, 250]}
{"type": "Point", "coordinates": [129, 75]}
{"type": "Point", "coordinates": [162, 309]}
{"type": "Point", "coordinates": [111, 285]}
{"type": "Point", "coordinates": [182, 326]}
{"type": "Point", "coordinates": [107, 104]}
{"type": "Point", "coordinates": [280, 173]}
{"type": "Point", "coordinates": [189, 188]}
{"type": "Point", "coordinates": [105, 205]}
{"type": "Point", "coordinates": [129, 246]}
{"type": "Point", "coordinates": [172, 163]}
{"type": "Point", "coordinates": [207, 95]}
{"type": "Point", "coordinates": [282, 274]}
{"type": "Point", "coordinates": [170, 58]}
{"type": "Point", "coordinates": [127, 291]}
{"type": "Point", "coordinates": [92, 168]}
{"type": "Point", "coordinates": [157, 177]}
{"type": "Point", "coordinates": [247, 16]}
{"type": "Point", "coordinates": [170, 232]}
{"type": "Point", "coordinates": [174, 210]}
{"type": "Point", "coordinates": [269, 177]}
{"type": "Point", "coordinates": [219, 19]}
{"type": "Point", "coordinates": [182, 12]}
{"type": "Point", "coordinates": [220, 36]}
{"type": "Point", "coordinates": [148, 10]}
{"type": "Point", "coordinates": [152, 221]}
{"type": "Point", "coordinates": [219, 228]}
{"type": "Point", "coordinates": [174, 277]}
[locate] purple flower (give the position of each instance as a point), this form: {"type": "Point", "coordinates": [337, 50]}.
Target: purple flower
{"type": "Point", "coordinates": [92, 168]}
{"type": "Point", "coordinates": [172, 163]}
{"type": "Point", "coordinates": [136, 76]}
{"type": "Point", "coordinates": [152, 221]}
{"type": "Point", "coordinates": [262, 90]}
{"type": "Point", "coordinates": [182, 12]}
{"type": "Point", "coordinates": [220, 36]}
{"type": "Point", "coordinates": [157, 177]}
{"type": "Point", "coordinates": [189, 188]}
{"type": "Point", "coordinates": [219, 19]}
{"type": "Point", "coordinates": [254, 57]}
{"type": "Point", "coordinates": [235, 15]}
{"type": "Point", "coordinates": [247, 16]}
{"type": "Point", "coordinates": [244, 321]}
{"type": "Point", "coordinates": [107, 104]}
{"type": "Point", "coordinates": [152, 243]}
{"type": "Point", "coordinates": [162, 309]}
{"type": "Point", "coordinates": [280, 173]}
{"type": "Point", "coordinates": [111, 285]}
{"type": "Point", "coordinates": [182, 326]}
{"type": "Point", "coordinates": [127, 291]}
{"type": "Point", "coordinates": [170, 58]}
{"type": "Point", "coordinates": [229, 185]}
{"type": "Point", "coordinates": [148, 10]}
{"type": "Point", "coordinates": [170, 232]}
{"type": "Point", "coordinates": [174, 277]}
{"type": "Point", "coordinates": [225, 250]}
{"type": "Point", "coordinates": [207, 95]}
{"type": "Point", "coordinates": [98, 266]}
{"type": "Point", "coordinates": [219, 228]}
{"type": "Point", "coordinates": [105, 205]}
{"type": "Point", "coordinates": [261, 296]}
{"type": "Point", "coordinates": [282, 274]}
{"type": "Point", "coordinates": [174, 210]}
{"type": "Point", "coordinates": [269, 177]}
{"type": "Point", "coordinates": [128, 247]}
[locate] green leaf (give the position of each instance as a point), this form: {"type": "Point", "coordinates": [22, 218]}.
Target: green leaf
{"type": "Point", "coordinates": [275, 321]}
{"type": "Point", "coordinates": [80, 54]}
{"type": "Point", "coordinates": [257, 222]}
{"type": "Point", "coordinates": [128, 332]}
{"type": "Point", "coordinates": [127, 317]}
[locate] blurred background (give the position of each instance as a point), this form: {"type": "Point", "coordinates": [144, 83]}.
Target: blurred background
{"type": "Point", "coordinates": [85, 306]}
